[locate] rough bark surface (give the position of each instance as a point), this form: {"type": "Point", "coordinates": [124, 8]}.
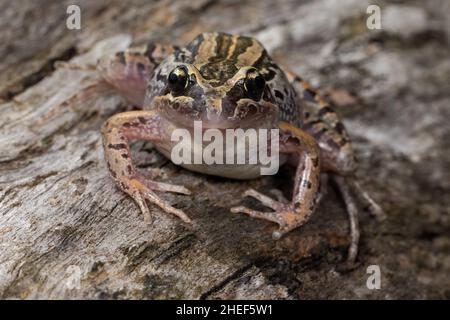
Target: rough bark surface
{"type": "Point", "coordinates": [66, 231]}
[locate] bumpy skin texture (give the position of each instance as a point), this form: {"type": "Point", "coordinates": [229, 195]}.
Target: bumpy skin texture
{"type": "Point", "coordinates": [228, 81]}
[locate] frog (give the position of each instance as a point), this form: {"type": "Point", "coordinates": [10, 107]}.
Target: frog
{"type": "Point", "coordinates": [229, 81]}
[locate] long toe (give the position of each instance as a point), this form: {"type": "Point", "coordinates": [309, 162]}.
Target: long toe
{"type": "Point", "coordinates": [269, 216]}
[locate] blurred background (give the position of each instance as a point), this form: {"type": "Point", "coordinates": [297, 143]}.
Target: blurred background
{"type": "Point", "coordinates": [391, 86]}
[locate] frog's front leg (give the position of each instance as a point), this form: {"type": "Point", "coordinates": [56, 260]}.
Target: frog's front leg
{"type": "Point", "coordinates": [294, 214]}
{"type": "Point", "coordinates": [117, 134]}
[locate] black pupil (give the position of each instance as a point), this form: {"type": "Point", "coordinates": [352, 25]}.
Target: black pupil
{"type": "Point", "coordinates": [259, 81]}
{"type": "Point", "coordinates": [177, 79]}
{"type": "Point", "coordinates": [173, 78]}
{"type": "Point", "coordinates": [255, 86]}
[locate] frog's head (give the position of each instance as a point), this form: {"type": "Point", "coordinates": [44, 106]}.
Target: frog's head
{"type": "Point", "coordinates": [219, 79]}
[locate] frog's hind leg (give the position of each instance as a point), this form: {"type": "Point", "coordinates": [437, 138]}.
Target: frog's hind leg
{"type": "Point", "coordinates": [322, 122]}
{"type": "Point", "coordinates": [129, 71]}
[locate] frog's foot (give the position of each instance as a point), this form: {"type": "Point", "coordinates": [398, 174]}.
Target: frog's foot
{"type": "Point", "coordinates": [141, 191]}
{"type": "Point", "coordinates": [352, 211]}
{"type": "Point", "coordinates": [374, 208]}
{"type": "Point", "coordinates": [349, 187]}
{"type": "Point", "coordinates": [284, 214]}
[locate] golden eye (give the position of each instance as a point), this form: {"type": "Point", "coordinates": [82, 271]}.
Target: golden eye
{"type": "Point", "coordinates": [254, 84]}
{"type": "Point", "coordinates": [178, 79]}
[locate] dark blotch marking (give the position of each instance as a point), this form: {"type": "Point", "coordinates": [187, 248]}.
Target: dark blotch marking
{"type": "Point", "coordinates": [149, 52]}
{"type": "Point", "coordinates": [267, 95]}
{"type": "Point", "coordinates": [311, 124]}
{"type": "Point", "coordinates": [319, 133]}
{"type": "Point", "coordinates": [307, 184]}
{"type": "Point", "coordinates": [323, 111]}
{"type": "Point", "coordinates": [278, 94]}
{"type": "Point", "coordinates": [129, 169]}
{"type": "Point", "coordinates": [309, 95]}
{"type": "Point", "coordinates": [315, 161]}
{"type": "Point", "coordinates": [192, 79]}
{"type": "Point", "coordinates": [140, 67]}
{"type": "Point", "coordinates": [127, 124]}
{"type": "Point", "coordinates": [142, 120]}
{"type": "Point", "coordinates": [271, 72]}
{"type": "Point", "coordinates": [121, 56]}
{"type": "Point", "coordinates": [124, 155]}
{"type": "Point", "coordinates": [160, 77]}
{"type": "Point", "coordinates": [339, 127]}
{"type": "Point", "coordinates": [343, 142]}
{"type": "Point", "coordinates": [117, 146]}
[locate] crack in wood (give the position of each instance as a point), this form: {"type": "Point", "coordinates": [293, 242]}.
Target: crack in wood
{"type": "Point", "coordinates": [34, 78]}
{"type": "Point", "coordinates": [222, 284]}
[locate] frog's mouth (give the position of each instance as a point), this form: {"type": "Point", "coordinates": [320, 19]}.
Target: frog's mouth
{"type": "Point", "coordinates": [183, 112]}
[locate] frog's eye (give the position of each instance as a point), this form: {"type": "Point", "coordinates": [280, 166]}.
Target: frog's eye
{"type": "Point", "coordinates": [178, 79]}
{"type": "Point", "coordinates": [254, 84]}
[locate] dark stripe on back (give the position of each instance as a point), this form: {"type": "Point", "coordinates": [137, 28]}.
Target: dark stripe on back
{"type": "Point", "coordinates": [243, 43]}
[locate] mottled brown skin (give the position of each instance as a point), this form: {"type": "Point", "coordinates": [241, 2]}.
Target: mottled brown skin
{"type": "Point", "coordinates": [228, 81]}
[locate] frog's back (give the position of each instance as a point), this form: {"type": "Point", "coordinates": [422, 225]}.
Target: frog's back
{"type": "Point", "coordinates": [218, 56]}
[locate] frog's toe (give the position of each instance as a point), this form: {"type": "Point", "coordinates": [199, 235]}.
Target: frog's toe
{"type": "Point", "coordinates": [277, 216]}
{"type": "Point", "coordinates": [285, 220]}
{"type": "Point", "coordinates": [265, 200]}
{"type": "Point", "coordinates": [140, 200]}
{"type": "Point", "coordinates": [374, 208]}
{"type": "Point", "coordinates": [142, 192]}
{"type": "Point", "coordinates": [167, 187]}
{"type": "Point", "coordinates": [269, 216]}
